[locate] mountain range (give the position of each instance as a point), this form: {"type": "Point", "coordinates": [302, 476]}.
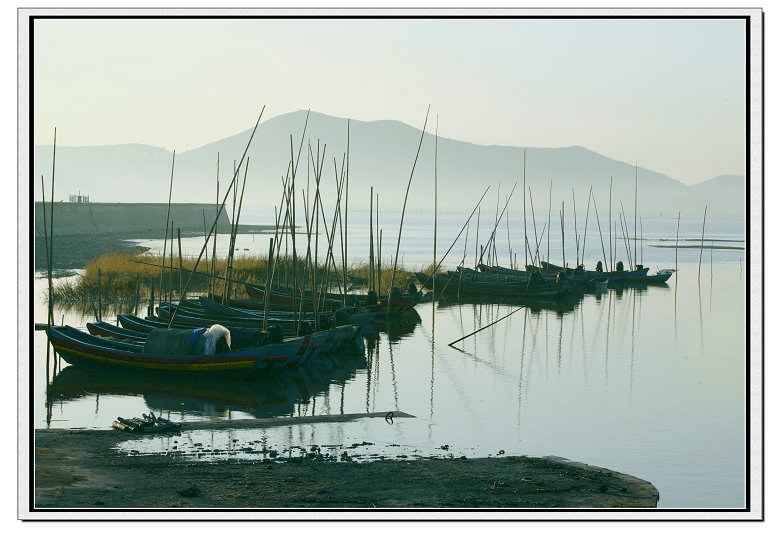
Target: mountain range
{"type": "Point", "coordinates": [381, 154]}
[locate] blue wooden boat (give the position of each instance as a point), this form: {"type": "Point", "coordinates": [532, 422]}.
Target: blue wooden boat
{"type": "Point", "coordinates": [90, 351]}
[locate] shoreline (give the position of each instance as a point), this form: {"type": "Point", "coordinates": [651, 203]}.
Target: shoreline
{"type": "Point", "coordinates": [83, 469]}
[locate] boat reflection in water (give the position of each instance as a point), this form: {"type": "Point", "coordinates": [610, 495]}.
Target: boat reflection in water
{"type": "Point", "coordinates": [271, 395]}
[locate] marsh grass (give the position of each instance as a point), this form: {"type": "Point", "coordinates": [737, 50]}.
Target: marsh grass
{"type": "Point", "coordinates": [122, 274]}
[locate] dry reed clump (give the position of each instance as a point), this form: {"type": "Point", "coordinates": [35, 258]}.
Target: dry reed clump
{"type": "Point", "coordinates": [125, 277]}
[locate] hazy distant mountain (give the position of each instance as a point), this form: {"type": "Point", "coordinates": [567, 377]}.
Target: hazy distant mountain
{"type": "Point", "coordinates": [381, 155]}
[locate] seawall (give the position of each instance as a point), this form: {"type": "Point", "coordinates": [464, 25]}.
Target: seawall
{"type": "Point", "coordinates": [143, 219]}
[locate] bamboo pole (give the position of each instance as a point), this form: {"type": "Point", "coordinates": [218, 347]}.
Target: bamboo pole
{"type": "Point", "coordinates": [378, 270]}
{"type": "Point", "coordinates": [701, 250]}
{"type": "Point", "coordinates": [181, 282]}
{"type": "Point", "coordinates": [636, 187]}
{"type": "Point", "coordinates": [492, 251]}
{"type": "Point", "coordinates": [371, 280]}
{"type": "Point", "coordinates": [214, 225]}
{"type": "Point", "coordinates": [536, 237]}
{"type": "Point", "coordinates": [508, 241]}
{"type": "Point", "coordinates": [170, 268]}
{"type": "Point", "coordinates": [601, 236]}
{"type": "Point", "coordinates": [436, 268]}
{"type": "Point", "coordinates": [346, 220]}
{"type": "Point", "coordinates": [268, 274]}
{"type": "Point", "coordinates": [576, 232]}
{"type": "Point", "coordinates": [624, 230]}
{"type": "Point", "coordinates": [611, 263]}
{"type": "Point", "coordinates": [435, 219]}
{"type": "Point", "coordinates": [677, 240]}
{"type": "Point", "coordinates": [403, 210]}
{"type": "Point", "coordinates": [167, 221]}
{"type": "Point", "coordinates": [492, 238]}
{"type": "Point", "coordinates": [233, 236]}
{"type": "Point", "coordinates": [206, 259]}
{"type": "Point", "coordinates": [45, 225]}
{"type": "Point", "coordinates": [525, 229]}
{"type": "Point", "coordinates": [341, 233]}
{"type": "Point", "coordinates": [624, 233]}
{"type": "Point", "coordinates": [137, 295]}
{"type": "Point", "coordinates": [379, 265]}
{"type": "Point", "coordinates": [51, 233]}
{"type": "Point", "coordinates": [476, 242]}
{"type": "Point", "coordinates": [99, 316]}
{"type": "Point", "coordinates": [585, 235]}
{"type": "Point", "coordinates": [549, 224]}
{"type": "Point", "coordinates": [563, 240]}
{"type": "Point", "coordinates": [214, 245]}
{"type": "Point", "coordinates": [453, 343]}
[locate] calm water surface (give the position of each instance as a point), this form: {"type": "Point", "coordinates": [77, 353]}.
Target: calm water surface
{"type": "Point", "coordinates": [649, 382]}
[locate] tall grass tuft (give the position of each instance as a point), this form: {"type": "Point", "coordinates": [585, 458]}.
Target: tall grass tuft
{"type": "Point", "coordinates": [122, 273]}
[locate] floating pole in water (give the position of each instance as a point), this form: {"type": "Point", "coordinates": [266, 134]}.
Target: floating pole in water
{"type": "Point", "coordinates": [453, 343]}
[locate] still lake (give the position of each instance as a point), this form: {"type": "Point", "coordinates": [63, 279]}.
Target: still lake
{"type": "Point", "coordinates": [647, 381]}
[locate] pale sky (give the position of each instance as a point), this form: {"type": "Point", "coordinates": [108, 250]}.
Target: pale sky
{"type": "Point", "coordinates": [668, 94]}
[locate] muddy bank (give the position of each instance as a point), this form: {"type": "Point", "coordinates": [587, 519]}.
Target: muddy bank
{"type": "Point", "coordinates": [82, 469]}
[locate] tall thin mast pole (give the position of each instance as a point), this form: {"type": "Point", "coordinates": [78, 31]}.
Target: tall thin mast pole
{"type": "Point", "coordinates": [214, 225]}
{"type": "Point", "coordinates": [549, 225]}
{"type": "Point", "coordinates": [435, 217]}
{"type": "Point", "coordinates": [636, 185]}
{"type": "Point", "coordinates": [403, 210]}
{"type": "Point", "coordinates": [525, 231]}
{"type": "Point", "coordinates": [611, 263]}
{"type": "Point", "coordinates": [167, 221]}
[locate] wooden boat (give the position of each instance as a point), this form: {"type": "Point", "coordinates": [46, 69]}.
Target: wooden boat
{"type": "Point", "coordinates": [104, 329]}
{"type": "Point", "coordinates": [90, 351]}
{"type": "Point", "coordinates": [259, 305]}
{"type": "Point", "coordinates": [289, 297]}
{"type": "Point", "coordinates": [638, 275]}
{"type": "Point", "coordinates": [453, 284]}
{"type": "Point", "coordinates": [587, 282]}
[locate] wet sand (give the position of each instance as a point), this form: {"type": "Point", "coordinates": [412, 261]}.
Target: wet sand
{"type": "Point", "coordinates": [82, 469]}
